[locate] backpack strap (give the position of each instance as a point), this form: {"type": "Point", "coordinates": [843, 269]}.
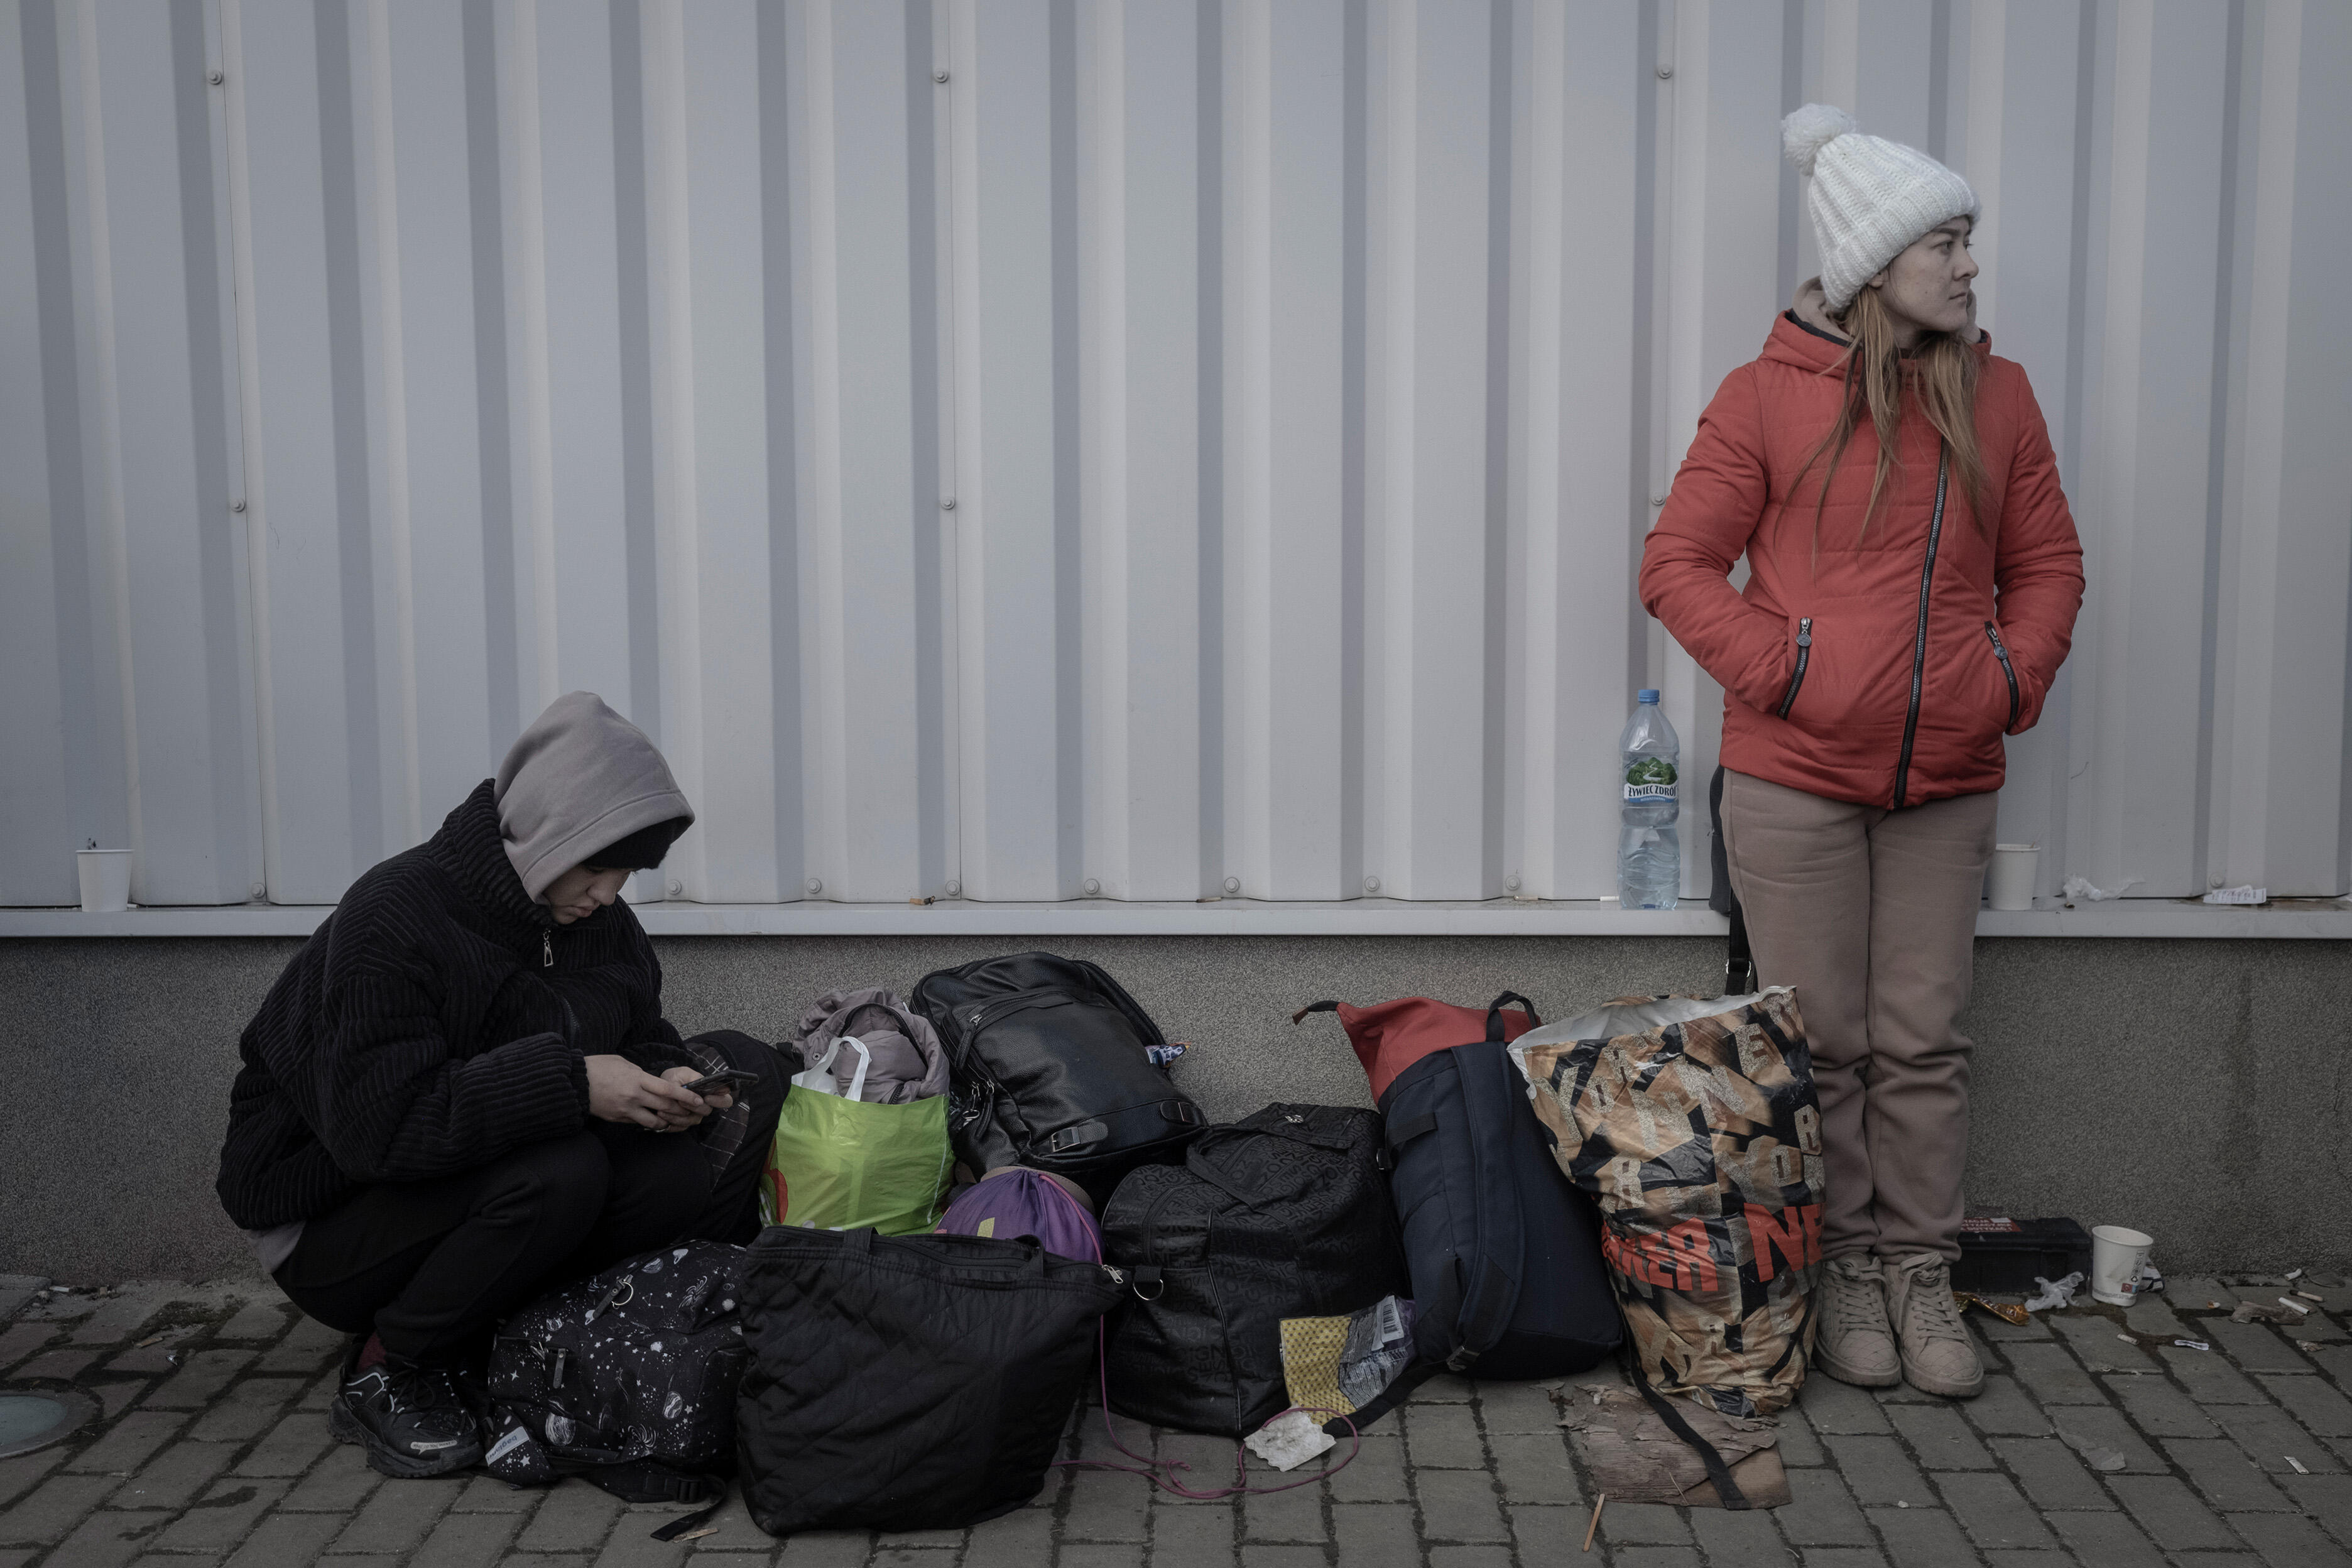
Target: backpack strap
{"type": "Point", "coordinates": [1314, 1007]}
{"type": "Point", "coordinates": [1726, 1490]}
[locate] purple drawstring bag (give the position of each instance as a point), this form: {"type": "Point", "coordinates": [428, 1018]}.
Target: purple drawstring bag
{"type": "Point", "coordinates": [1014, 1201]}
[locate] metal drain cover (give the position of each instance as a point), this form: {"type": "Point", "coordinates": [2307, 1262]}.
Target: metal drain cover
{"type": "Point", "coordinates": [30, 1421]}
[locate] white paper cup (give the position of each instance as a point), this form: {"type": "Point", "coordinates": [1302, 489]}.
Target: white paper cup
{"type": "Point", "coordinates": [105, 880]}
{"type": "Point", "coordinates": [2116, 1254]}
{"type": "Point", "coordinates": [2012, 875]}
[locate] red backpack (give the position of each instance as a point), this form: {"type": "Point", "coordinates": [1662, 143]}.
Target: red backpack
{"type": "Point", "coordinates": [1392, 1036]}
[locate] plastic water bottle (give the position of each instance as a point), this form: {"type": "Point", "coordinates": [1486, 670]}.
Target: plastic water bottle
{"type": "Point", "coordinates": [1649, 849]}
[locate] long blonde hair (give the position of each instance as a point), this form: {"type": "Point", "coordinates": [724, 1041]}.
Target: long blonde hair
{"type": "Point", "coordinates": [1945, 388]}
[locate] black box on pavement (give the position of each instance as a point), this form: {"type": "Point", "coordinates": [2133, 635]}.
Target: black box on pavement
{"type": "Point", "coordinates": [2002, 1256]}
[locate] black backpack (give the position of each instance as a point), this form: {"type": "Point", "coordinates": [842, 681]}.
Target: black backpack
{"type": "Point", "coordinates": [626, 1379]}
{"type": "Point", "coordinates": [1049, 1066]}
{"type": "Point", "coordinates": [1507, 1280]}
{"type": "Point", "coordinates": [909, 1381]}
{"type": "Point", "coordinates": [1283, 1215]}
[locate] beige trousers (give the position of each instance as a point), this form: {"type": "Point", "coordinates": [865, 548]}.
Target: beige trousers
{"type": "Point", "coordinates": [1871, 914]}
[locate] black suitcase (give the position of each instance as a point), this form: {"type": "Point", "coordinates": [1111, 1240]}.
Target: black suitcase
{"type": "Point", "coordinates": [1284, 1215]}
{"type": "Point", "coordinates": [908, 1382]}
{"type": "Point", "coordinates": [1049, 1066]}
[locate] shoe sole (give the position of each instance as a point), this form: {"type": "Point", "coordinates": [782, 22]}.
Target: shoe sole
{"type": "Point", "coordinates": [345, 1427]}
{"type": "Point", "coordinates": [1858, 1379]}
{"type": "Point", "coordinates": [1945, 1390]}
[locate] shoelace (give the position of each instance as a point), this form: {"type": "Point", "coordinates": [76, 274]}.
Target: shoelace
{"type": "Point", "coordinates": [1928, 1304]}
{"type": "Point", "coordinates": [1855, 1303]}
{"type": "Point", "coordinates": [420, 1388]}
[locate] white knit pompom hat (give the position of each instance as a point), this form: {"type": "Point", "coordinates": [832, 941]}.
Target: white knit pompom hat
{"type": "Point", "coordinates": [1872, 197]}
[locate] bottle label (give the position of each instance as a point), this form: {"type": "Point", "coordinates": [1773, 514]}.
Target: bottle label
{"type": "Point", "coordinates": [1651, 778]}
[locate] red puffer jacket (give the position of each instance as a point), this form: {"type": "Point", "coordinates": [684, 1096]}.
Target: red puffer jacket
{"type": "Point", "coordinates": [1882, 667]}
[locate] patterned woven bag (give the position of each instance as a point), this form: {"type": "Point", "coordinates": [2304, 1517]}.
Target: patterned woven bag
{"type": "Point", "coordinates": [1695, 1125]}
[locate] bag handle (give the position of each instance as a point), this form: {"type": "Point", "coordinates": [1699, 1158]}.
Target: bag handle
{"type": "Point", "coordinates": [1314, 1007]}
{"type": "Point", "coordinates": [1726, 1490]}
{"type": "Point", "coordinates": [1494, 1016]}
{"type": "Point", "coordinates": [865, 1060]}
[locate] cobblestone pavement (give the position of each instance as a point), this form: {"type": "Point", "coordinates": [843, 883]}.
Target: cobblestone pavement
{"type": "Point", "coordinates": [212, 1447]}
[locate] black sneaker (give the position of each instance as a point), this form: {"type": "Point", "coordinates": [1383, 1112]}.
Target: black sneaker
{"type": "Point", "coordinates": [410, 1419]}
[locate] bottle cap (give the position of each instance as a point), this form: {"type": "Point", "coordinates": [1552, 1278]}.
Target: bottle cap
{"type": "Point", "coordinates": [1647, 694]}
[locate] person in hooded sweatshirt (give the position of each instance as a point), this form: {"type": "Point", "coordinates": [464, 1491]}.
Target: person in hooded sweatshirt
{"type": "Point", "coordinates": [462, 1091]}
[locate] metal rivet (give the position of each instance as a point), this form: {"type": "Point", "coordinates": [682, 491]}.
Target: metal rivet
{"type": "Point", "coordinates": [947, 503]}
{"type": "Point", "coordinates": [1665, 73]}
{"type": "Point", "coordinates": [815, 886]}
{"type": "Point", "coordinates": [236, 506]}
{"type": "Point", "coordinates": [261, 890]}
{"type": "Point", "coordinates": [1093, 887]}
{"type": "Point", "coordinates": [1232, 884]}
{"type": "Point", "coordinates": [1372, 884]}
{"type": "Point", "coordinates": [955, 889]}
{"type": "Point", "coordinates": [1657, 500]}
{"type": "Point", "coordinates": [217, 78]}
{"type": "Point", "coordinates": [1511, 883]}
{"type": "Point", "coordinates": [939, 76]}
{"type": "Point", "coordinates": [675, 888]}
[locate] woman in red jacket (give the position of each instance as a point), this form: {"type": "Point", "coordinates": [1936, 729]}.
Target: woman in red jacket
{"type": "Point", "coordinates": [1914, 580]}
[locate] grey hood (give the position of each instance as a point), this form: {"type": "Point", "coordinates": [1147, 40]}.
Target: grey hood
{"type": "Point", "coordinates": [580, 779]}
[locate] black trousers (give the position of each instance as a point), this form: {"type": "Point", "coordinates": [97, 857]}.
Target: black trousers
{"type": "Point", "coordinates": [430, 1267]}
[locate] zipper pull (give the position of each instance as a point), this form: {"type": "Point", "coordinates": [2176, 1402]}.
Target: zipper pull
{"type": "Point", "coordinates": [547, 950]}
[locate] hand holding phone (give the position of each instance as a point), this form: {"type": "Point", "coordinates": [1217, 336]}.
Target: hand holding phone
{"type": "Point", "coordinates": [723, 1081]}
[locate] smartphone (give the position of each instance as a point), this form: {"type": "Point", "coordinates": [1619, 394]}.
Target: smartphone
{"type": "Point", "coordinates": [725, 1080]}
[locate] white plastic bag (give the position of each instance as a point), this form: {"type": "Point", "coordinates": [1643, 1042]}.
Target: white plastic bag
{"type": "Point", "coordinates": [819, 1078]}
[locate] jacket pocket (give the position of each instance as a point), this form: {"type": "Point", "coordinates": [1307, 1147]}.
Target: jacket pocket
{"type": "Point", "coordinates": [1797, 675]}
{"type": "Point", "coordinates": [2008, 672]}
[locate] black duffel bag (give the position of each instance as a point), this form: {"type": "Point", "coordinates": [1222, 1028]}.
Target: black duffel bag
{"type": "Point", "coordinates": [1284, 1215]}
{"type": "Point", "coordinates": [1049, 1066]}
{"type": "Point", "coordinates": [908, 1382]}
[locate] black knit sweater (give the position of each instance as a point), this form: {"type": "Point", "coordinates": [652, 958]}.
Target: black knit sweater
{"type": "Point", "coordinates": [438, 1020]}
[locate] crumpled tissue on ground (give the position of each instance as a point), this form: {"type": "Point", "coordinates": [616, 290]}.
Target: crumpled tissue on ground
{"type": "Point", "coordinates": [1289, 1441]}
{"type": "Point", "coordinates": [2055, 1292]}
{"type": "Point", "coordinates": [2078, 889]}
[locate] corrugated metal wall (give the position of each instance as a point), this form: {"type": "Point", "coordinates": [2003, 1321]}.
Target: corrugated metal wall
{"type": "Point", "coordinates": [1042, 448]}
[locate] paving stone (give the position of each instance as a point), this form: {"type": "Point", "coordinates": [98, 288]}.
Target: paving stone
{"type": "Point", "coordinates": [292, 1447]}
{"type": "Point", "coordinates": [108, 1540]}
{"type": "Point", "coordinates": [1443, 1436]}
{"type": "Point", "coordinates": [2050, 1473]}
{"type": "Point", "coordinates": [1748, 1539]}
{"type": "Point", "coordinates": [1847, 1557]}
{"type": "Point", "coordinates": [337, 1484]}
{"type": "Point", "coordinates": [1447, 1389]}
{"type": "Point", "coordinates": [122, 1314]}
{"type": "Point", "coordinates": [2241, 1558]}
{"type": "Point", "coordinates": [2268, 1435]}
{"type": "Point", "coordinates": [1879, 1471]}
{"type": "Point", "coordinates": [1094, 1442]}
{"type": "Point", "coordinates": [2228, 1477]}
{"type": "Point", "coordinates": [50, 1511]}
{"type": "Point", "coordinates": [399, 1515]}
{"type": "Point", "coordinates": [2288, 1541]}
{"type": "Point", "coordinates": [1834, 1407]}
{"type": "Point", "coordinates": [2199, 1294]}
{"type": "Point", "coordinates": [172, 1478]}
{"type": "Point", "coordinates": [1799, 1444]}
{"type": "Point", "coordinates": [1454, 1557]}
{"type": "Point", "coordinates": [60, 1365]}
{"type": "Point", "coordinates": [1251, 1557]}
{"type": "Point", "coordinates": [202, 1376]}
{"type": "Point", "coordinates": [1459, 1505]}
{"type": "Point", "coordinates": [1535, 1469]}
{"type": "Point", "coordinates": [1518, 1408]}
{"type": "Point", "coordinates": [224, 1515]}
{"type": "Point", "coordinates": [2159, 1409]}
{"type": "Point", "coordinates": [2153, 1316]}
{"type": "Point", "coordinates": [1654, 1557]}
{"type": "Point", "coordinates": [638, 1549]}
{"type": "Point", "coordinates": [2053, 1375]}
{"type": "Point", "coordinates": [15, 1290]}
{"type": "Point", "coordinates": [1212, 1462]}
{"type": "Point", "coordinates": [286, 1541]}
{"type": "Point", "coordinates": [23, 1473]}
{"type": "Point", "coordinates": [1941, 1439]}
{"type": "Point", "coordinates": [263, 1319]}
{"type": "Point", "coordinates": [849, 1548]}
{"type": "Point", "coordinates": [1108, 1506]}
{"type": "Point", "coordinates": [146, 1359]}
{"type": "Point", "coordinates": [1642, 1523]}
{"type": "Point", "coordinates": [2105, 1541]}
{"type": "Point", "coordinates": [129, 1442]}
{"type": "Point", "coordinates": [1204, 1537]}
{"type": "Point", "coordinates": [2335, 1361]}
{"type": "Point", "coordinates": [1293, 1515]}
{"type": "Point", "coordinates": [249, 1409]}
{"type": "Point", "coordinates": [2314, 1402]}
{"type": "Point", "coordinates": [2208, 1377]}
{"type": "Point", "coordinates": [465, 1540]}
{"type": "Point", "coordinates": [487, 1494]}
{"type": "Point", "coordinates": [2000, 1330]}
{"type": "Point", "coordinates": [2003, 1408]}
{"type": "Point", "coordinates": [2107, 1429]}
{"type": "Point", "coordinates": [114, 1398]}
{"type": "Point", "coordinates": [2094, 1337]}
{"type": "Point", "coordinates": [1990, 1509]}
{"type": "Point", "coordinates": [22, 1340]}
{"type": "Point", "coordinates": [1923, 1538]}
{"type": "Point", "coordinates": [1375, 1474]}
{"type": "Point", "coordinates": [2165, 1508]}
{"type": "Point", "coordinates": [1544, 1534]}
{"type": "Point", "coordinates": [322, 1392]}
{"type": "Point", "coordinates": [2254, 1346]}
{"type": "Point", "coordinates": [1821, 1512]}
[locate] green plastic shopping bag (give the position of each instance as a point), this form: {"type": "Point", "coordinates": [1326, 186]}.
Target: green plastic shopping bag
{"type": "Point", "coordinates": [839, 1163]}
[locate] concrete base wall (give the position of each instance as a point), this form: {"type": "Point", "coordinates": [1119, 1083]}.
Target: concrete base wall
{"type": "Point", "coordinates": [2199, 1091]}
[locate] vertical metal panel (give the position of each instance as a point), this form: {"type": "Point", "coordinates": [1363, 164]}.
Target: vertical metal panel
{"type": "Point", "coordinates": [1301, 376]}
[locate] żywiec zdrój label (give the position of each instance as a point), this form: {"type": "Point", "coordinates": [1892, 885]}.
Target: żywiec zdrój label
{"type": "Point", "coordinates": [1650, 778]}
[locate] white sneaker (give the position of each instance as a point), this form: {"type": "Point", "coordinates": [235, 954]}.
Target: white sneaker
{"type": "Point", "coordinates": [1938, 1356]}
{"type": "Point", "coordinates": [1854, 1343]}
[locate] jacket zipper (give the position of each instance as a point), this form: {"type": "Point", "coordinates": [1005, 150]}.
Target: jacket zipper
{"type": "Point", "coordinates": [547, 950]}
{"type": "Point", "coordinates": [2008, 669]}
{"type": "Point", "coordinates": [1804, 654]}
{"type": "Point", "coordinates": [1919, 643]}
